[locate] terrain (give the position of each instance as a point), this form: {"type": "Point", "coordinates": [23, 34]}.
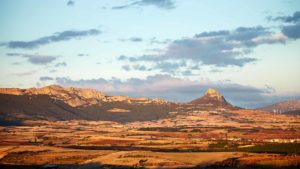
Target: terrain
{"type": "Point", "coordinates": [291, 107]}
{"type": "Point", "coordinates": [58, 103]}
{"type": "Point", "coordinates": [207, 132]}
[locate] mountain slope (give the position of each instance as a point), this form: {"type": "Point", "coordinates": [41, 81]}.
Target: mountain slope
{"type": "Point", "coordinates": [58, 103]}
{"type": "Point", "coordinates": [282, 107]}
{"type": "Point", "coordinates": [76, 97]}
{"type": "Point", "coordinates": [16, 108]}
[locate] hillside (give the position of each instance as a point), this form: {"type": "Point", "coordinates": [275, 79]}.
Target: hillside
{"type": "Point", "coordinates": [58, 103]}
{"type": "Point", "coordinates": [282, 107]}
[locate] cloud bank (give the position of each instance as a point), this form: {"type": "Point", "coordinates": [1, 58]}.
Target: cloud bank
{"type": "Point", "coordinates": [215, 48]}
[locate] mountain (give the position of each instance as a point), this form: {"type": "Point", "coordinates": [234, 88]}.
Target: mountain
{"type": "Point", "coordinates": [212, 98]}
{"type": "Point", "coordinates": [78, 97]}
{"type": "Point", "coordinates": [283, 107]}
{"type": "Point", "coordinates": [58, 103]}
{"type": "Point", "coordinates": [16, 108]}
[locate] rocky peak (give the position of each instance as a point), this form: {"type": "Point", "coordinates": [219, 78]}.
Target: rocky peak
{"type": "Point", "coordinates": [211, 98]}
{"type": "Point", "coordinates": [213, 93]}
{"type": "Point", "coordinates": [11, 91]}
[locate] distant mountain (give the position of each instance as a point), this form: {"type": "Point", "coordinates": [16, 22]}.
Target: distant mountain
{"type": "Point", "coordinates": [212, 98]}
{"type": "Point", "coordinates": [58, 103]}
{"type": "Point", "coordinates": [286, 107]}
{"type": "Point", "coordinates": [79, 97]}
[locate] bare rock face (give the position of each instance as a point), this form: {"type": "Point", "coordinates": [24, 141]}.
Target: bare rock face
{"type": "Point", "coordinates": [79, 97]}
{"type": "Point", "coordinates": [211, 98]}
{"type": "Point", "coordinates": [214, 94]}
{"type": "Point", "coordinates": [59, 103]}
{"type": "Point", "coordinates": [12, 91]}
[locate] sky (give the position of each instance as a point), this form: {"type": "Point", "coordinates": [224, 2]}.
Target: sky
{"type": "Point", "coordinates": [171, 49]}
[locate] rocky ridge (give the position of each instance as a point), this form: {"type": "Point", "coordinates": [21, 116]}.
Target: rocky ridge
{"type": "Point", "coordinates": [79, 97]}
{"type": "Point", "coordinates": [58, 103]}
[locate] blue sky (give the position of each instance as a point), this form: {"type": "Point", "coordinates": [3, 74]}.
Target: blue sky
{"type": "Point", "coordinates": [174, 49]}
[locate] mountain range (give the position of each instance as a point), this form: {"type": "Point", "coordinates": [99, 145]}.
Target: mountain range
{"type": "Point", "coordinates": [57, 103]}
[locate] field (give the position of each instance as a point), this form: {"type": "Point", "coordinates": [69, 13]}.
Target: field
{"type": "Point", "coordinates": [205, 139]}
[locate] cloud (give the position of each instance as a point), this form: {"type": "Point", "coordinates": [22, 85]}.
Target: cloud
{"type": "Point", "coordinates": [216, 48]}
{"type": "Point", "coordinates": [150, 41]}
{"type": "Point", "coordinates": [16, 63]}
{"type": "Point", "coordinates": [99, 83]}
{"type": "Point", "coordinates": [136, 39]}
{"type": "Point", "coordinates": [61, 64]}
{"type": "Point", "coordinates": [70, 3]}
{"type": "Point", "coordinates": [40, 59]}
{"type": "Point", "coordinates": [175, 89]}
{"type": "Point", "coordinates": [291, 27]}
{"type": "Point", "coordinates": [140, 67]}
{"type": "Point", "coordinates": [35, 58]}
{"type": "Point", "coordinates": [292, 31]}
{"type": "Point", "coordinates": [162, 4]}
{"type": "Point", "coordinates": [243, 37]}
{"type": "Point", "coordinates": [46, 78]}
{"type": "Point", "coordinates": [170, 67]}
{"type": "Point", "coordinates": [154, 40]}
{"type": "Point", "coordinates": [82, 54]}
{"type": "Point", "coordinates": [56, 37]}
{"type": "Point", "coordinates": [212, 33]}
{"type": "Point", "coordinates": [132, 39]}
{"type": "Point", "coordinates": [270, 39]}
{"type": "Point", "coordinates": [53, 71]}
{"type": "Point", "coordinates": [135, 67]}
{"type": "Point", "coordinates": [27, 73]}
{"type": "Point", "coordinates": [295, 18]}
{"type": "Point", "coordinates": [126, 67]}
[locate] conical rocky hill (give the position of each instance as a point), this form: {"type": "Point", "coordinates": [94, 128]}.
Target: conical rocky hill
{"type": "Point", "coordinates": [212, 98]}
